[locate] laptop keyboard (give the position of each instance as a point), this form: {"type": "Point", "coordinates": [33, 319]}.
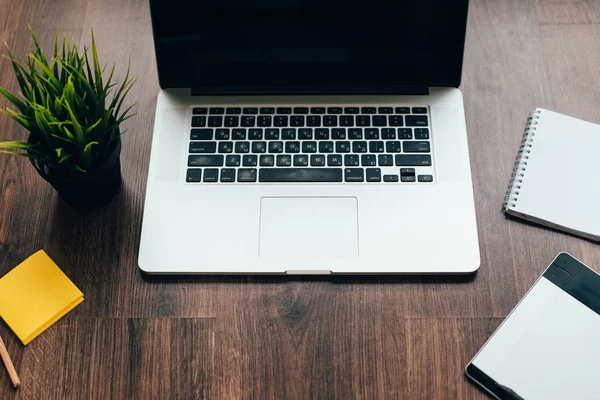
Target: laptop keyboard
{"type": "Point", "coordinates": [310, 144]}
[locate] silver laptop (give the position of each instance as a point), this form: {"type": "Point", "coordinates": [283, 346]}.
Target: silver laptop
{"type": "Point", "coordinates": [309, 137]}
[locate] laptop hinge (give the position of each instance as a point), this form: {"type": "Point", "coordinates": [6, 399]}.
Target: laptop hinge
{"type": "Point", "coordinates": [395, 90]}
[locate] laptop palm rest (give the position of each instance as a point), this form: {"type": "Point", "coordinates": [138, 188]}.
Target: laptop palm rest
{"type": "Point", "coordinates": [308, 227]}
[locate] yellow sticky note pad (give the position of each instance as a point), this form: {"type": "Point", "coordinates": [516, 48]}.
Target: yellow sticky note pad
{"type": "Point", "coordinates": [34, 295]}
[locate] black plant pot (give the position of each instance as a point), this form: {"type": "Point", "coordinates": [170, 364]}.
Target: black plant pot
{"type": "Point", "coordinates": [92, 189]}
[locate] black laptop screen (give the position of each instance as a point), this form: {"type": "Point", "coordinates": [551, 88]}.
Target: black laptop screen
{"type": "Point", "coordinates": [310, 46]}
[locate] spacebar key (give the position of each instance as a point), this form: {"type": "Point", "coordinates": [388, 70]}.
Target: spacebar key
{"type": "Point", "coordinates": [300, 175]}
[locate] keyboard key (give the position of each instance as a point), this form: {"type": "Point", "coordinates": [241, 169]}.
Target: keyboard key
{"type": "Point", "coordinates": [238, 134]}
{"type": "Point", "coordinates": [300, 175]}
{"type": "Point", "coordinates": [264, 120]}
{"type": "Point", "coordinates": [407, 178]}
{"type": "Point", "coordinates": [354, 175]}
{"type": "Point", "coordinates": [371, 133]}
{"type": "Point", "coordinates": [248, 121]}
{"type": "Point", "coordinates": [284, 160]}
{"type": "Point", "coordinates": [373, 175]}
{"type": "Point", "coordinates": [385, 160]}
{"type": "Point", "coordinates": [359, 147]}
{"type": "Point", "coordinates": [425, 178]}
{"type": "Point", "coordinates": [351, 110]}
{"type": "Point", "coordinates": [297, 120]}
{"type": "Point", "coordinates": [407, 171]}
{"type": "Point", "coordinates": [199, 110]}
{"type": "Point", "coordinates": [416, 147]}
{"type": "Point", "coordinates": [242, 147]}
{"type": "Point", "coordinates": [288, 134]}
{"type": "Point", "coordinates": [416, 120]}
{"type": "Point", "coordinates": [395, 120]}
{"type": "Point", "coordinates": [232, 120]}
{"type": "Point", "coordinates": [250, 110]}
{"type": "Point", "coordinates": [351, 160]}
{"type": "Point", "coordinates": [342, 147]}
{"type": "Point", "coordinates": [222, 134]}
{"type": "Point", "coordinates": [334, 160]}
{"type": "Point", "coordinates": [390, 178]}
{"type": "Point", "coordinates": [363, 120]}
{"type": "Point", "coordinates": [376, 147]}
{"type": "Point", "coordinates": [247, 174]}
{"type": "Point", "coordinates": [334, 110]}
{"type": "Point", "coordinates": [317, 110]}
{"type": "Point", "coordinates": [232, 160]}
{"type": "Point", "coordinates": [313, 120]}
{"type": "Point", "coordinates": [386, 110]}
{"type": "Point", "coordinates": [419, 110]}
{"type": "Point", "coordinates": [379, 120]}
{"type": "Point", "coordinates": [413, 160]}
{"type": "Point", "coordinates": [255, 134]}
{"type": "Point", "coordinates": [347, 120]}
{"type": "Point", "coordinates": [392, 146]}
{"type": "Point", "coordinates": [404, 133]}
{"type": "Point", "coordinates": [193, 175]}
{"type": "Point", "coordinates": [250, 160]}
{"type": "Point", "coordinates": [292, 147]}
{"type": "Point", "coordinates": [305, 134]}
{"type": "Point", "coordinates": [267, 110]}
{"type": "Point", "coordinates": [198, 122]}
{"type": "Point", "coordinates": [326, 147]}
{"type": "Point", "coordinates": [421, 133]}
{"type": "Point", "coordinates": [388, 133]}
{"type": "Point", "coordinates": [300, 110]}
{"type": "Point", "coordinates": [216, 110]}
{"type": "Point", "coordinates": [201, 134]}
{"type": "Point", "coordinates": [215, 122]}
{"type": "Point", "coordinates": [233, 110]}
{"type": "Point", "coordinates": [368, 160]}
{"type": "Point", "coordinates": [228, 175]}
{"type": "Point", "coordinates": [267, 160]}
{"type": "Point", "coordinates": [322, 133]}
{"type": "Point", "coordinates": [284, 110]}
{"type": "Point", "coordinates": [300, 160]}
{"type": "Point", "coordinates": [259, 147]}
{"type": "Point", "coordinates": [309, 147]}
{"type": "Point", "coordinates": [330, 120]}
{"type": "Point", "coordinates": [402, 110]}
{"type": "Point", "coordinates": [355, 133]}
{"type": "Point", "coordinates": [281, 120]}
{"type": "Point", "coordinates": [276, 147]}
{"type": "Point", "coordinates": [211, 175]}
{"type": "Point", "coordinates": [317, 160]}
{"type": "Point", "coordinates": [272, 134]}
{"type": "Point", "coordinates": [203, 147]}
{"type": "Point", "coordinates": [225, 147]}
{"type": "Point", "coordinates": [368, 110]}
{"type": "Point", "coordinates": [338, 133]}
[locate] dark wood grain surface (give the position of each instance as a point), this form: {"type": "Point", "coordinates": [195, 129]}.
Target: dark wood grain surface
{"type": "Point", "coordinates": [138, 337]}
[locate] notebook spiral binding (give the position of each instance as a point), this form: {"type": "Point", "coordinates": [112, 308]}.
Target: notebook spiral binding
{"type": "Point", "coordinates": [518, 173]}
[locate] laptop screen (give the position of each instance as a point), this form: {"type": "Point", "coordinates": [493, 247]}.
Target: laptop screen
{"type": "Point", "coordinates": [308, 46]}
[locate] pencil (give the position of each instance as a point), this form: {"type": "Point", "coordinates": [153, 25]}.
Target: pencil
{"type": "Point", "coordinates": [9, 365]}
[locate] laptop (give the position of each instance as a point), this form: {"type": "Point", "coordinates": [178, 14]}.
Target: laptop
{"type": "Point", "coordinates": [309, 137]}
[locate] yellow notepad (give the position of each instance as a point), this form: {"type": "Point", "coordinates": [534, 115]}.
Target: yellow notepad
{"type": "Point", "coordinates": [34, 295]}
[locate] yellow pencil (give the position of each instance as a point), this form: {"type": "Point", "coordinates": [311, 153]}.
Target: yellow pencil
{"type": "Point", "coordinates": [9, 365]}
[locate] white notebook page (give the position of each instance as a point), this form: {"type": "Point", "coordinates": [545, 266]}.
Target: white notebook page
{"type": "Point", "coordinates": [561, 183]}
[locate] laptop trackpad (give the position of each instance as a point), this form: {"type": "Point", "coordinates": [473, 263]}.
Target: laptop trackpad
{"type": "Point", "coordinates": [308, 227]}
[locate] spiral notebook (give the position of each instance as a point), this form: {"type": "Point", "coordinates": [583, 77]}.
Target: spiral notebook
{"type": "Point", "coordinates": [556, 177]}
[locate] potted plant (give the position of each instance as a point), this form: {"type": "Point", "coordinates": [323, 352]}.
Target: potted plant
{"type": "Point", "coordinates": [73, 115]}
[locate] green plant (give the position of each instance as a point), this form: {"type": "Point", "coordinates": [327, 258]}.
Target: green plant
{"type": "Point", "coordinates": [65, 106]}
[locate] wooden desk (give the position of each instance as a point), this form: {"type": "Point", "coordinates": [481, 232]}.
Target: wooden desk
{"type": "Point", "coordinates": [136, 337]}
